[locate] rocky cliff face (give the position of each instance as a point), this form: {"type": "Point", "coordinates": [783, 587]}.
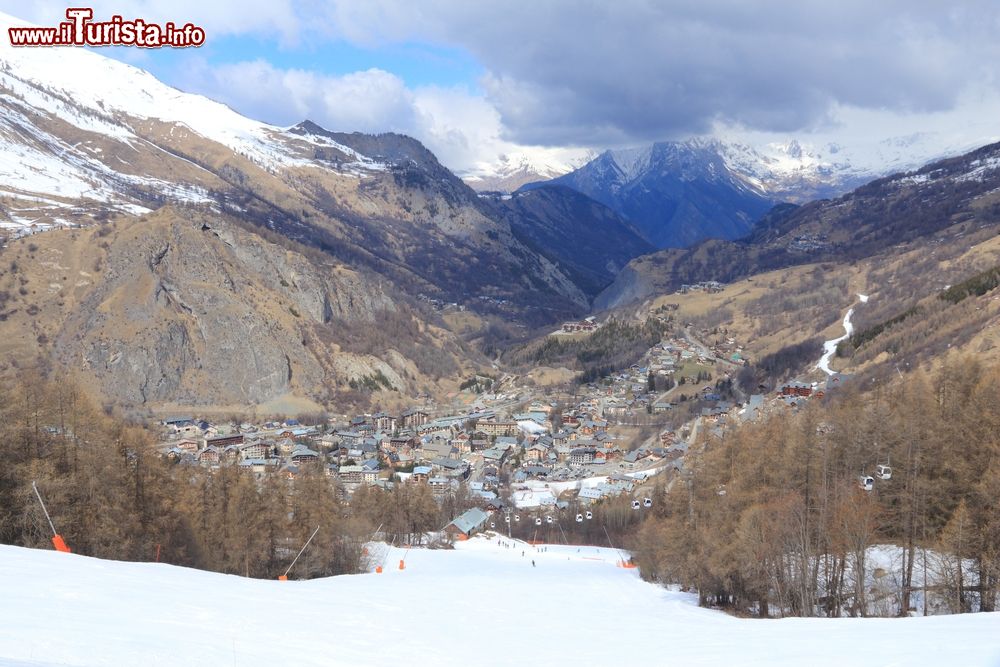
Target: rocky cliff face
{"type": "Point", "coordinates": [183, 308]}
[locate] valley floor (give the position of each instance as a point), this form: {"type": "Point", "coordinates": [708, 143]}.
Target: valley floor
{"type": "Point", "coordinates": [481, 604]}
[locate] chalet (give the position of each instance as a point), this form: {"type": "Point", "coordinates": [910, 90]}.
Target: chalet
{"type": "Point", "coordinates": [222, 441]}
{"type": "Point", "coordinates": [173, 454]}
{"type": "Point", "coordinates": [582, 325]}
{"type": "Point", "coordinates": [349, 437]}
{"type": "Point", "coordinates": [255, 466]}
{"type": "Point", "coordinates": [591, 426]}
{"type": "Point", "coordinates": [451, 467]}
{"type": "Point", "coordinates": [505, 441]}
{"type": "Point", "coordinates": [582, 455]}
{"type": "Point", "coordinates": [803, 389]}
{"type": "Point", "coordinates": [536, 471]}
{"type": "Point", "coordinates": [617, 410]}
{"type": "Point", "coordinates": [461, 442]}
{"type": "Point", "coordinates": [186, 445]}
{"type": "Point", "coordinates": [493, 503]}
{"type": "Point", "coordinates": [631, 459]}
{"type": "Point", "coordinates": [438, 449]}
{"type": "Point", "coordinates": [440, 484]}
{"type": "Point", "coordinates": [421, 474]}
{"type": "Point", "coordinates": [255, 450]}
{"type": "Point", "coordinates": [351, 474]}
{"type": "Point", "coordinates": [496, 455]}
{"type": "Point", "coordinates": [536, 452]}
{"type": "Point", "coordinates": [230, 454]}
{"type": "Point", "coordinates": [303, 454]}
{"type": "Point", "coordinates": [401, 442]}
{"type": "Point", "coordinates": [285, 446]}
{"type": "Point", "coordinates": [467, 524]}
{"type": "Point", "coordinates": [209, 456]}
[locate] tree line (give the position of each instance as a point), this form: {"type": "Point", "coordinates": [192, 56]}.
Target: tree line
{"type": "Point", "coordinates": [112, 496]}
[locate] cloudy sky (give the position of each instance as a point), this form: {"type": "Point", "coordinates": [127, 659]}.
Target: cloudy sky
{"type": "Point", "coordinates": [553, 79]}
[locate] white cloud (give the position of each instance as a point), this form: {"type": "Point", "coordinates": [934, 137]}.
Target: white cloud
{"type": "Point", "coordinates": [285, 20]}
{"type": "Point", "coordinates": [567, 75]}
{"type": "Point", "coordinates": [458, 125]}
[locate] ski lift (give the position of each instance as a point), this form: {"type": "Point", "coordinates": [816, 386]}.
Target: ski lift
{"type": "Point", "coordinates": [538, 520]}
{"type": "Point", "coordinates": [579, 518]}
{"type": "Point", "coordinates": [507, 519]}
{"type": "Point", "coordinates": [647, 502]}
{"type": "Point", "coordinates": [590, 515]}
{"type": "Point", "coordinates": [883, 471]}
{"type": "Point", "coordinates": [492, 525]}
{"type": "Point", "coordinates": [548, 519]}
{"type": "Point", "coordinates": [635, 504]}
{"type": "Point", "coordinates": [866, 482]}
{"type": "Point", "coordinates": [517, 517]}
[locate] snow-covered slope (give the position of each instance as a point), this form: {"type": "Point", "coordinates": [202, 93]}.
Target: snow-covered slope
{"type": "Point", "coordinates": [798, 171]}
{"type": "Point", "coordinates": [481, 604]}
{"type": "Point", "coordinates": [80, 129]}
{"type": "Point", "coordinates": [675, 193]}
{"type": "Point", "coordinates": [512, 170]}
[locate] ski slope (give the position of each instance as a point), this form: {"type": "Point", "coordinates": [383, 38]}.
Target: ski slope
{"type": "Point", "coordinates": [481, 604]}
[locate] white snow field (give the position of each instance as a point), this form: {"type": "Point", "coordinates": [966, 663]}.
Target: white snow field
{"type": "Point", "coordinates": [481, 604]}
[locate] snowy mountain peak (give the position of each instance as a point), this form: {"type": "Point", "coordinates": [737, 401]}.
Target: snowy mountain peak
{"type": "Point", "coordinates": [632, 161]}
{"type": "Point", "coordinates": [516, 168]}
{"type": "Point", "coordinates": [80, 130]}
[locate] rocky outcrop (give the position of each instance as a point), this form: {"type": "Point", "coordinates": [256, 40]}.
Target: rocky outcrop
{"type": "Point", "coordinates": [201, 312]}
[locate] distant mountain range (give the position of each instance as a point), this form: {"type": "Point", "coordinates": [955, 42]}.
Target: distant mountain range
{"type": "Point", "coordinates": [949, 199]}
{"type": "Point", "coordinates": [678, 193]}
{"type": "Point", "coordinates": [513, 170]}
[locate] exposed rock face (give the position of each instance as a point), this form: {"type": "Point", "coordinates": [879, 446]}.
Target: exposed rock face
{"type": "Point", "coordinates": [196, 312]}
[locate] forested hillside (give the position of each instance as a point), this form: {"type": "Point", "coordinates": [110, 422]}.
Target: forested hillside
{"type": "Point", "coordinates": [772, 519]}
